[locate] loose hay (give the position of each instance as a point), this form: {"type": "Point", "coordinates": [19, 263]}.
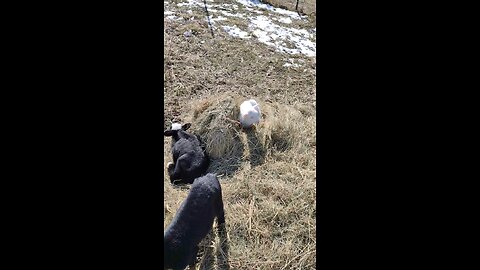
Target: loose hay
{"type": "Point", "coordinates": [214, 120]}
{"type": "Point", "coordinates": [269, 204]}
{"type": "Point", "coordinates": [269, 188]}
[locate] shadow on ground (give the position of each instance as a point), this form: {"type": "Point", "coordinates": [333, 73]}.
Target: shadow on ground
{"type": "Point", "coordinates": [215, 257]}
{"type": "Point", "coordinates": [229, 164]}
{"type": "Point", "coordinates": [256, 148]}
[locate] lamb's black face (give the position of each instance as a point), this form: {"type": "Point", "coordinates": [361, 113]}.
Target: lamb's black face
{"type": "Point", "coordinates": [173, 134]}
{"type": "Point", "coordinates": [186, 126]}
{"type": "Point", "coordinates": [169, 132]}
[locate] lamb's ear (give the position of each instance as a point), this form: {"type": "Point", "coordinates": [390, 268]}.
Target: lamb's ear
{"type": "Point", "coordinates": [186, 126]}
{"type": "Point", "coordinates": [168, 132]}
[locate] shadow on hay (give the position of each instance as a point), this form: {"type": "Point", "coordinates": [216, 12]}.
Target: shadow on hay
{"type": "Point", "coordinates": [255, 147]}
{"type": "Point", "coordinates": [222, 254]}
{"type": "Point", "coordinates": [229, 164]}
{"type": "Point", "coordinates": [280, 143]}
{"type": "Point", "coordinates": [212, 256]}
{"type": "Point", "coordinates": [205, 254]}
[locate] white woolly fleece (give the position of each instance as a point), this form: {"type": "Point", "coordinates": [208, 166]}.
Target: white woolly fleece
{"type": "Point", "coordinates": [176, 126]}
{"type": "Point", "coordinates": [249, 113]}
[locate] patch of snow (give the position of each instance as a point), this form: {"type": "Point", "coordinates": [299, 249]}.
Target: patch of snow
{"type": "Point", "coordinates": [173, 17]}
{"type": "Point", "coordinates": [225, 5]}
{"type": "Point", "coordinates": [226, 13]}
{"type": "Point", "coordinates": [285, 20]}
{"type": "Point", "coordinates": [263, 22]}
{"type": "Point", "coordinates": [268, 27]}
{"type": "Point", "coordinates": [219, 18]}
{"type": "Point", "coordinates": [274, 36]}
{"type": "Point", "coordinates": [290, 65]}
{"type": "Point", "coordinates": [262, 36]}
{"type": "Point", "coordinates": [258, 4]}
{"type": "Point", "coordinates": [253, 10]}
{"type": "Point", "coordinates": [189, 3]}
{"type": "Point", "coordinates": [266, 30]}
{"type": "Point", "coordinates": [235, 31]}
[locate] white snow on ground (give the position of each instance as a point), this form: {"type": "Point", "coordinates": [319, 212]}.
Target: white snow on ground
{"type": "Point", "coordinates": [285, 20]}
{"type": "Point", "coordinates": [173, 17]}
{"type": "Point", "coordinates": [235, 31]}
{"type": "Point", "coordinates": [219, 18]}
{"type": "Point", "coordinates": [226, 13]}
{"type": "Point", "coordinates": [265, 29]}
{"type": "Point", "coordinates": [271, 33]}
{"type": "Point", "coordinates": [189, 3]}
{"type": "Point", "coordinates": [258, 4]}
{"type": "Point", "coordinates": [253, 10]}
{"type": "Point", "coordinates": [290, 65]}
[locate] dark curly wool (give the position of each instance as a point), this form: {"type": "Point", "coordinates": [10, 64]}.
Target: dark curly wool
{"type": "Point", "coordinates": [192, 222]}
{"type": "Point", "coordinates": [189, 158]}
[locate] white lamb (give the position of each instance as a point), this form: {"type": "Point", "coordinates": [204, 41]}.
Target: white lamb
{"type": "Point", "coordinates": [249, 113]}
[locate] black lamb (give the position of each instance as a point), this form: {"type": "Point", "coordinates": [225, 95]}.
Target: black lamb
{"type": "Point", "coordinates": [189, 157]}
{"type": "Point", "coordinates": [192, 222]}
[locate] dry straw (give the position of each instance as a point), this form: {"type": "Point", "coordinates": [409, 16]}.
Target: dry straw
{"type": "Point", "coordinates": [269, 187]}
{"type": "Point", "coordinates": [269, 194]}
{"type": "Point", "coordinates": [215, 120]}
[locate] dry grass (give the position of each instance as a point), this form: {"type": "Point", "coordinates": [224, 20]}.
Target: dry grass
{"type": "Point", "coordinates": [307, 7]}
{"type": "Point", "coordinates": [223, 63]}
{"type": "Point", "coordinates": [269, 182]}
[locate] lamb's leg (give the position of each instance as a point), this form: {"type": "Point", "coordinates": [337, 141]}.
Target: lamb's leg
{"type": "Point", "coordinates": [170, 169]}
{"type": "Point", "coordinates": [194, 258]}
{"type": "Point", "coordinates": [220, 212]}
{"type": "Point", "coordinates": [175, 172]}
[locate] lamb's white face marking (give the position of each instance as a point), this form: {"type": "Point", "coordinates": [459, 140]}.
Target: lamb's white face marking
{"type": "Point", "coordinates": [176, 126]}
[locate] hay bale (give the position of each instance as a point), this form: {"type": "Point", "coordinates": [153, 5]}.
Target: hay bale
{"type": "Point", "coordinates": [281, 127]}
{"type": "Point", "coordinates": [213, 119]}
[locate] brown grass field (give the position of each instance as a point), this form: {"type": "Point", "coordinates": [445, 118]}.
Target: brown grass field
{"type": "Point", "coordinates": [304, 6]}
{"type": "Point", "coordinates": [269, 180]}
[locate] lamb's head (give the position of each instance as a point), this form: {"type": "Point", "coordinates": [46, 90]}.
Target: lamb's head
{"type": "Point", "coordinates": [173, 131]}
{"type": "Point", "coordinates": [249, 113]}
